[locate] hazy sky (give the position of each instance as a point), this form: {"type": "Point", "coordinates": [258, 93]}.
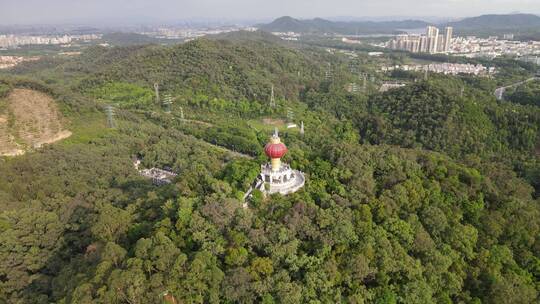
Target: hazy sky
{"type": "Point", "coordinates": [81, 11]}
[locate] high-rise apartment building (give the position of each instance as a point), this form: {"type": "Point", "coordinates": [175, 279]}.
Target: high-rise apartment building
{"type": "Point", "coordinates": [423, 44]}
{"type": "Point", "coordinates": [433, 39]}
{"type": "Point", "coordinates": [441, 40]}
{"type": "Point", "coordinates": [448, 38]}
{"type": "Point", "coordinates": [432, 31]}
{"type": "Point", "coordinates": [432, 42]}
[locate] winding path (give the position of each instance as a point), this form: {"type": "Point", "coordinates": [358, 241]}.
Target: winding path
{"type": "Point", "coordinates": [499, 92]}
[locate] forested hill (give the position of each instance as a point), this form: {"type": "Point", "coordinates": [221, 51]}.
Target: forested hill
{"type": "Point", "coordinates": [416, 195]}
{"type": "Point", "coordinates": [518, 23]}
{"type": "Point", "coordinates": [126, 39]}
{"type": "Point", "coordinates": [445, 114]}
{"type": "Point", "coordinates": [245, 36]}
{"type": "Point", "coordinates": [433, 116]}
{"type": "Point", "coordinates": [219, 68]}
{"type": "Point", "coordinates": [322, 26]}
{"type": "Point", "coordinates": [514, 22]}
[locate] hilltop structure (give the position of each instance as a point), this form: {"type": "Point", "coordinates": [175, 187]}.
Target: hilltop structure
{"type": "Point", "coordinates": [158, 176]}
{"type": "Point", "coordinates": [275, 176]}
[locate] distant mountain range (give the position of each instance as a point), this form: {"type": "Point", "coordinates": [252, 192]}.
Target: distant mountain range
{"type": "Point", "coordinates": [498, 22]}
{"type": "Point", "coordinates": [484, 23]}
{"type": "Point", "coordinates": [318, 25]}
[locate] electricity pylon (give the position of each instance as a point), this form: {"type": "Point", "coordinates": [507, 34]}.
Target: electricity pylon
{"type": "Point", "coordinates": [167, 102]}
{"type": "Point", "coordinates": [156, 88]}
{"type": "Point", "coordinates": [272, 98]}
{"type": "Point", "coordinates": [109, 110]}
{"type": "Point", "coordinates": [290, 114]}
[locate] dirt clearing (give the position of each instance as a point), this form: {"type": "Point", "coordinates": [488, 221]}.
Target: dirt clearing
{"type": "Point", "coordinates": [32, 119]}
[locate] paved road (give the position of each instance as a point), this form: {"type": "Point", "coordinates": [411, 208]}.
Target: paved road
{"type": "Point", "coordinates": [499, 92]}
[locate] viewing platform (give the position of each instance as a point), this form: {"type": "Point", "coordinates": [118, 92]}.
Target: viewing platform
{"type": "Point", "coordinates": [283, 181]}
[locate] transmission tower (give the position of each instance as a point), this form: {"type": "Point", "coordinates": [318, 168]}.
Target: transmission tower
{"type": "Point", "coordinates": [181, 113]}
{"type": "Point", "coordinates": [353, 68]}
{"type": "Point", "coordinates": [272, 98]}
{"type": "Point", "coordinates": [156, 88]}
{"type": "Point", "coordinates": [364, 84]}
{"type": "Point", "coordinates": [462, 91]}
{"type": "Point", "coordinates": [302, 128]}
{"type": "Point", "coordinates": [426, 74]}
{"type": "Point", "coordinates": [290, 115]}
{"type": "Point", "coordinates": [328, 73]}
{"type": "Point", "coordinates": [109, 110]}
{"type": "Point", "coordinates": [167, 102]}
{"type": "Point", "coordinates": [353, 87]}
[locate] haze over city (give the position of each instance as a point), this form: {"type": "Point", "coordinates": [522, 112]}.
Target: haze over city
{"type": "Point", "coordinates": [142, 11]}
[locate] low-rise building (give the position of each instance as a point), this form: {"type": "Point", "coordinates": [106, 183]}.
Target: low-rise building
{"type": "Point", "coordinates": [445, 68]}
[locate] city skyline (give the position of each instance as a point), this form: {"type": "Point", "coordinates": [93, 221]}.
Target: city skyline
{"type": "Point", "coordinates": [25, 12]}
{"type": "Point", "coordinates": [433, 41]}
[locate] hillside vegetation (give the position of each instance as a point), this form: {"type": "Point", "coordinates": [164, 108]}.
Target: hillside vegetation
{"type": "Point", "coordinates": [433, 116]}
{"type": "Point", "coordinates": [526, 94]}
{"type": "Point", "coordinates": [416, 195]}
{"type": "Point", "coordinates": [213, 68]}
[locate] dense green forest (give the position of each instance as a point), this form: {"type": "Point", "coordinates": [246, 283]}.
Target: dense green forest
{"type": "Point", "coordinates": [527, 94]}
{"type": "Point", "coordinates": [421, 194]}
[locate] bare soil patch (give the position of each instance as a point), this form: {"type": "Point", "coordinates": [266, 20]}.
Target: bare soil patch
{"type": "Point", "coordinates": [33, 119]}
{"type": "Point", "coordinates": [273, 122]}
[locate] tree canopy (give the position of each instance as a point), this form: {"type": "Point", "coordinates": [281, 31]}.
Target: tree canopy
{"type": "Point", "coordinates": [417, 195]}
